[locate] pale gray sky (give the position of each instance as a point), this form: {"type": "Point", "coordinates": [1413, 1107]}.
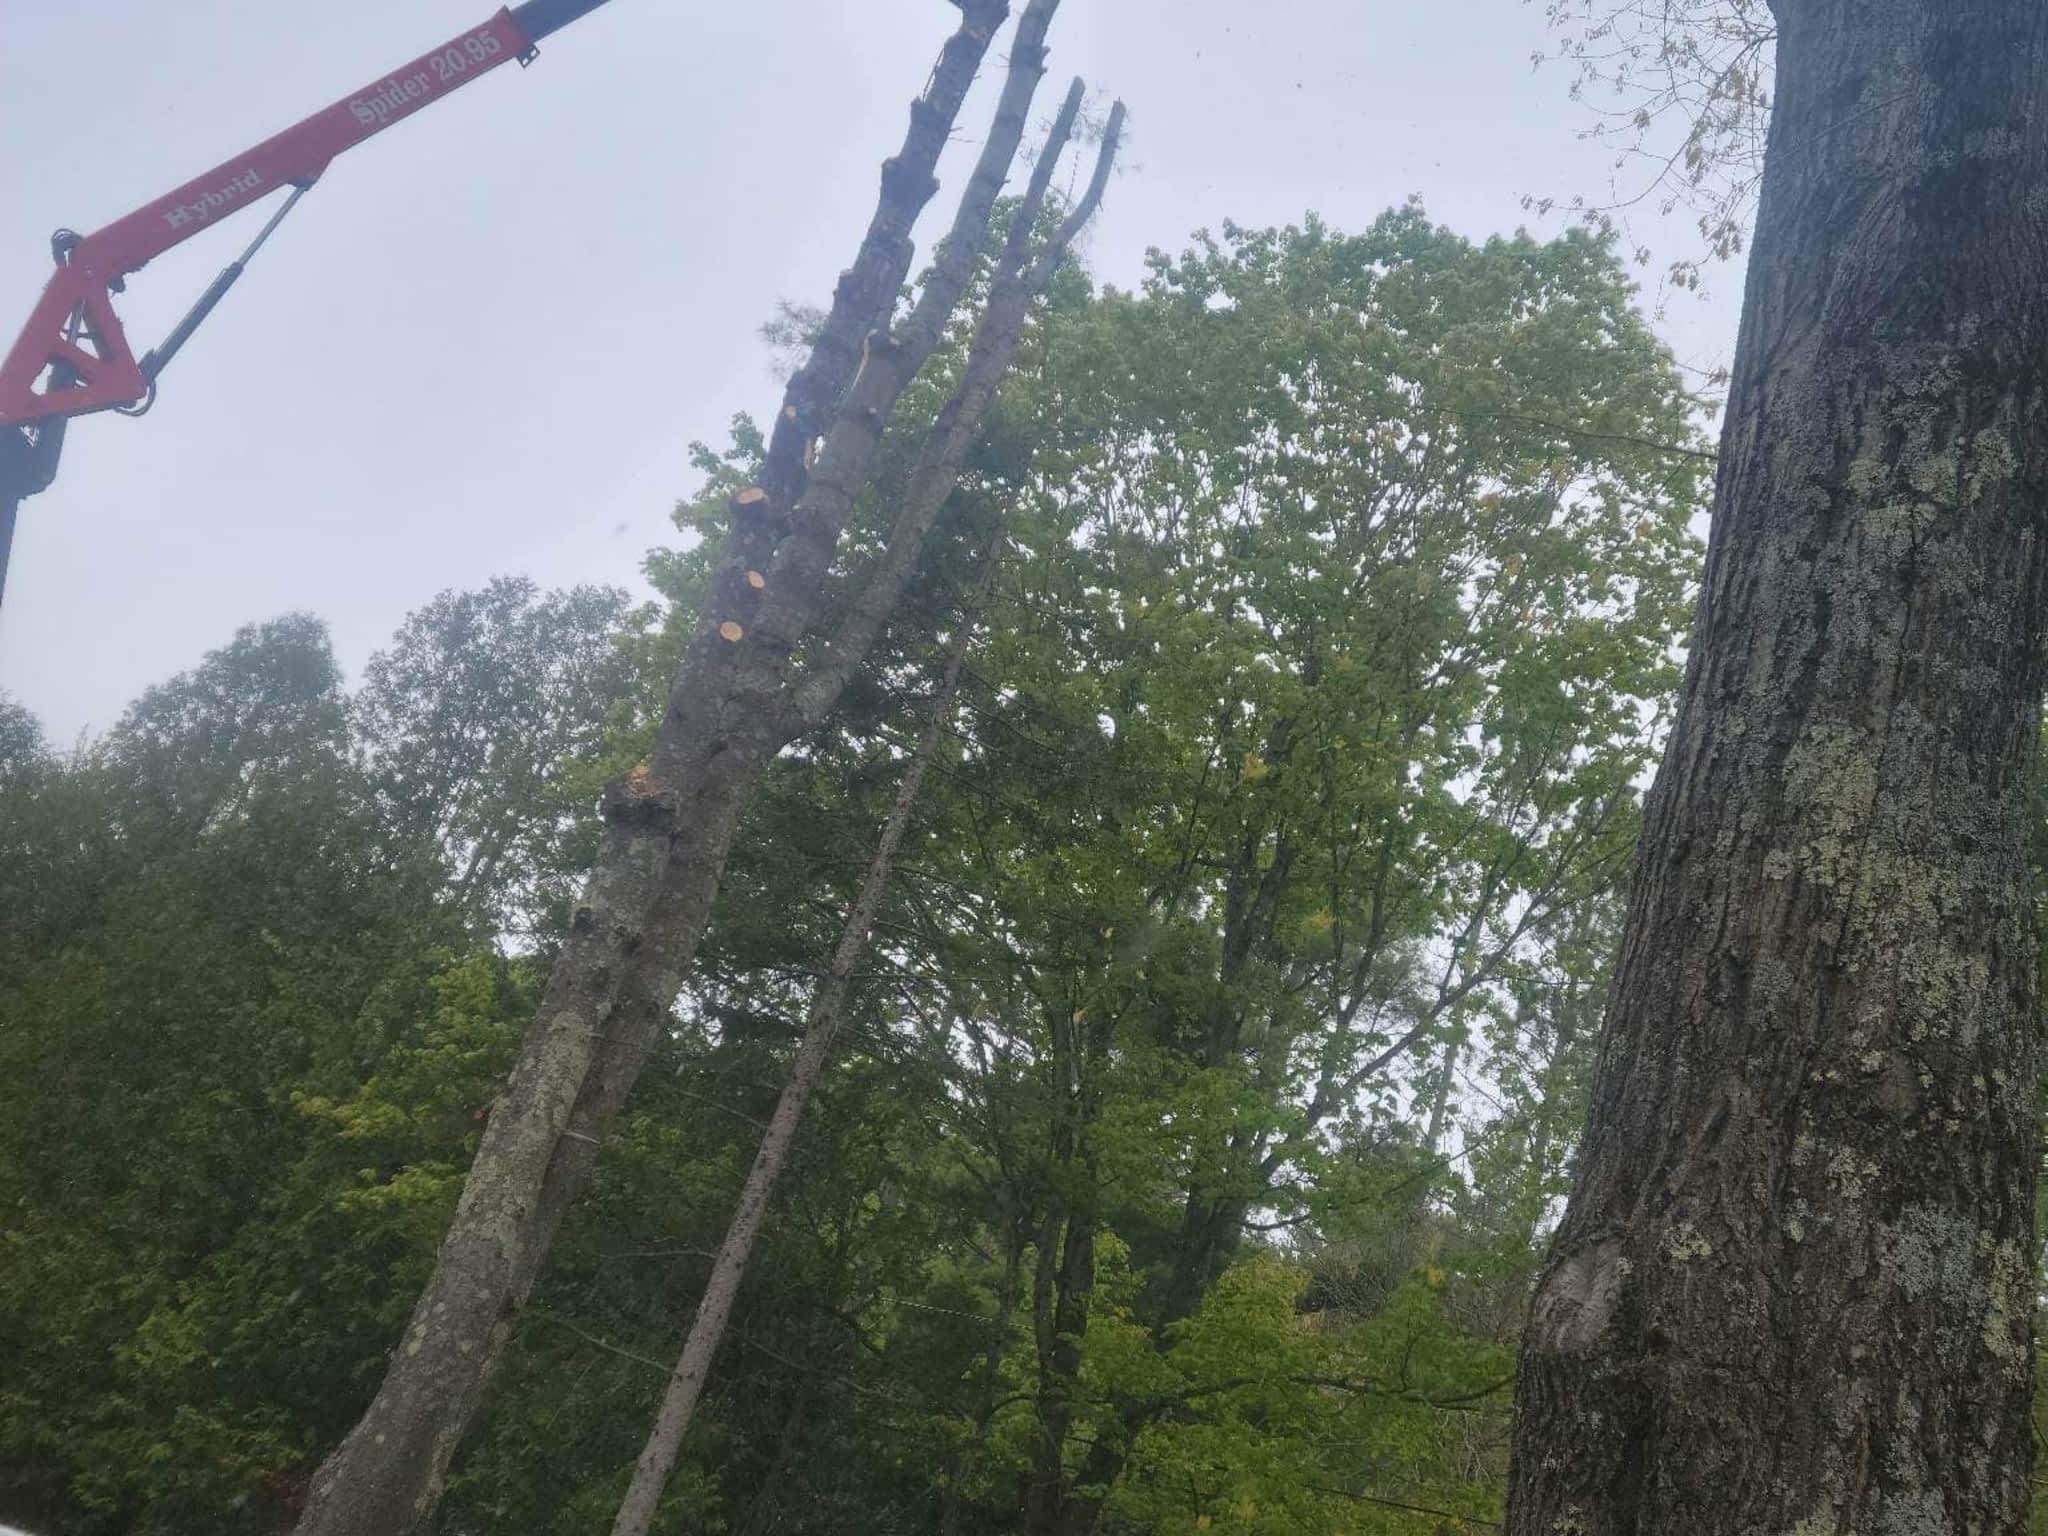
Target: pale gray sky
{"type": "Point", "coordinates": [483, 343]}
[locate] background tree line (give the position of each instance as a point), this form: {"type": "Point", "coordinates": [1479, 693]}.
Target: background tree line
{"type": "Point", "coordinates": [1212, 1076]}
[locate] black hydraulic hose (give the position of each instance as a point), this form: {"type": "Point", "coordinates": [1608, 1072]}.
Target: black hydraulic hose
{"type": "Point", "coordinates": [542, 18]}
{"type": "Point", "coordinates": [28, 463]}
{"type": "Point", "coordinates": [10, 504]}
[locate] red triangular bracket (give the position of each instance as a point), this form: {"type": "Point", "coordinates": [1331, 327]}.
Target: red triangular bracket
{"type": "Point", "coordinates": [104, 371]}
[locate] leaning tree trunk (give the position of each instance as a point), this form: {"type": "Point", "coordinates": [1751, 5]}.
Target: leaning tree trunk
{"type": "Point", "coordinates": [829, 1004]}
{"type": "Point", "coordinates": [738, 698]}
{"type": "Point", "coordinates": [1793, 1291]}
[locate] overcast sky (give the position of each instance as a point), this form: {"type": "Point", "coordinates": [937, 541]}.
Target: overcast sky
{"type": "Point", "coordinates": [484, 342]}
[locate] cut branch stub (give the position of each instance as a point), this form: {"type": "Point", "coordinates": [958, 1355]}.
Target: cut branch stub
{"type": "Point", "coordinates": [905, 182]}
{"type": "Point", "coordinates": [636, 798]}
{"type": "Point", "coordinates": [981, 21]}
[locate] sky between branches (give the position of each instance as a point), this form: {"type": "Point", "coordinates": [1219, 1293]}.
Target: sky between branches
{"type": "Point", "coordinates": [484, 343]}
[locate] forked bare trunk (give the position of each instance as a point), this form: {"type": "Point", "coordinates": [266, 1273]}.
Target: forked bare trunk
{"type": "Point", "coordinates": [736, 701]}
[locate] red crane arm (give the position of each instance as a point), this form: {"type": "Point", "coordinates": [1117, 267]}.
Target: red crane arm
{"type": "Point", "coordinates": [73, 357]}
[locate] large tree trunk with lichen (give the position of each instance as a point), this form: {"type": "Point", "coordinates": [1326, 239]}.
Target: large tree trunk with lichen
{"type": "Point", "coordinates": [1792, 1290]}
{"type": "Point", "coordinates": [738, 698]}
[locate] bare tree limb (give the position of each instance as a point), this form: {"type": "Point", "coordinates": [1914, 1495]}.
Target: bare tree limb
{"type": "Point", "coordinates": [938, 468]}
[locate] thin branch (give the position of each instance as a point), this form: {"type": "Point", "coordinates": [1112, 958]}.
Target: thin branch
{"type": "Point", "coordinates": [590, 1338]}
{"type": "Point", "coordinates": [1416, 1509]}
{"type": "Point", "coordinates": [1583, 434]}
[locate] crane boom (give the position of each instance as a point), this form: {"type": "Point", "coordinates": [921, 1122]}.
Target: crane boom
{"type": "Point", "coordinates": [540, 19]}
{"type": "Point", "coordinates": [73, 357]}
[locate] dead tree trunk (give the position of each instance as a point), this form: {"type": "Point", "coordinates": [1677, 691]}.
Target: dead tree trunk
{"type": "Point", "coordinates": [821, 1026]}
{"type": "Point", "coordinates": [1793, 1288]}
{"type": "Point", "coordinates": [736, 701]}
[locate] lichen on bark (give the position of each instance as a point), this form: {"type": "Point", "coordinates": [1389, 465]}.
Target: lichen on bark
{"type": "Point", "coordinates": [1812, 1138]}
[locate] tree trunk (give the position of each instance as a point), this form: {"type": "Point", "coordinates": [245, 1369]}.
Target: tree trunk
{"type": "Point", "coordinates": [762, 1512]}
{"type": "Point", "coordinates": [953, 1513]}
{"type": "Point", "coordinates": [737, 700]}
{"type": "Point", "coordinates": [1212, 1218]}
{"type": "Point", "coordinates": [1793, 1287]}
{"type": "Point", "coordinates": [827, 1013]}
{"type": "Point", "coordinates": [1064, 1292]}
{"type": "Point", "coordinates": [1063, 1287]}
{"type": "Point", "coordinates": [1441, 1092]}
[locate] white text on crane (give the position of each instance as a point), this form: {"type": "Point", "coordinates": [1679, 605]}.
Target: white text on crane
{"type": "Point", "coordinates": [211, 203]}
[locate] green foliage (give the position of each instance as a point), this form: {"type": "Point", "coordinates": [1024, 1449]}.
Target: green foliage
{"type": "Point", "coordinates": [1340, 607]}
{"type": "Point", "coordinates": [249, 1038]}
{"type": "Point", "coordinates": [1207, 1087]}
{"type": "Point", "coordinates": [1293, 1420]}
{"type": "Point", "coordinates": [470, 719]}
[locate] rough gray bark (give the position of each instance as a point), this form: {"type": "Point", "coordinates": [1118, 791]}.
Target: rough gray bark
{"type": "Point", "coordinates": [821, 1026]}
{"type": "Point", "coordinates": [733, 706]}
{"type": "Point", "coordinates": [1063, 1283]}
{"type": "Point", "coordinates": [1062, 1294]}
{"type": "Point", "coordinates": [1793, 1288]}
{"type": "Point", "coordinates": [954, 1512]}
